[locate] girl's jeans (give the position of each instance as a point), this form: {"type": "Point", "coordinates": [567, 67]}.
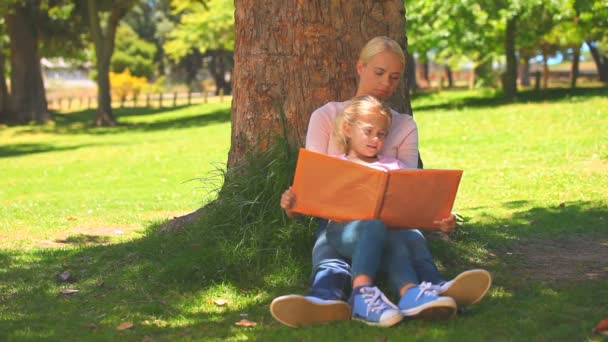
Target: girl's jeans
{"type": "Point", "coordinates": [331, 277]}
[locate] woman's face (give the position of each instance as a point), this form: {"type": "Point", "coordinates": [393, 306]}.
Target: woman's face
{"type": "Point", "coordinates": [380, 76]}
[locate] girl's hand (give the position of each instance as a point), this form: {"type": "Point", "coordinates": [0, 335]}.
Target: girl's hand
{"type": "Point", "coordinates": [447, 224]}
{"type": "Point", "coordinates": [288, 201]}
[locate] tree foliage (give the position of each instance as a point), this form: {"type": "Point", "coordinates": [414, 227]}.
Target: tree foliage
{"type": "Point", "coordinates": [133, 53]}
{"type": "Point", "coordinates": [203, 26]}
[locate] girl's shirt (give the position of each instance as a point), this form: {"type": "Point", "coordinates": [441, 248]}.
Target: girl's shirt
{"type": "Point", "coordinates": [383, 163]}
{"type": "Point", "coordinates": [401, 142]}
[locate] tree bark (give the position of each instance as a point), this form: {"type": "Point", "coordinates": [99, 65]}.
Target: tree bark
{"type": "Point", "coordinates": [574, 71]}
{"type": "Point", "coordinates": [292, 57]}
{"type": "Point", "coordinates": [524, 67]}
{"type": "Point", "coordinates": [221, 62]}
{"type": "Point", "coordinates": [510, 76]}
{"type": "Point", "coordinates": [103, 40]}
{"type": "Point", "coordinates": [4, 96]}
{"type": "Point", "coordinates": [410, 77]}
{"type": "Point", "coordinates": [601, 62]}
{"type": "Point", "coordinates": [449, 75]}
{"type": "Point", "coordinates": [28, 98]}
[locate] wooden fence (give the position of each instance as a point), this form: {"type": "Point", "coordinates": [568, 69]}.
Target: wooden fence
{"type": "Point", "coordinates": [158, 100]}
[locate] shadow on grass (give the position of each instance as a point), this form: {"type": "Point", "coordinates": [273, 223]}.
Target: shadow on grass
{"type": "Point", "coordinates": [160, 278]}
{"type": "Point", "coordinates": [15, 150]}
{"type": "Point", "coordinates": [525, 96]}
{"type": "Point", "coordinates": [86, 239]}
{"type": "Point", "coordinates": [81, 122]}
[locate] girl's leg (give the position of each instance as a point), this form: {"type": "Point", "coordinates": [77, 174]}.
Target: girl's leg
{"type": "Point", "coordinates": [397, 262]}
{"type": "Point", "coordinates": [416, 299]}
{"type": "Point", "coordinates": [363, 241]}
{"type": "Point", "coordinates": [420, 254]}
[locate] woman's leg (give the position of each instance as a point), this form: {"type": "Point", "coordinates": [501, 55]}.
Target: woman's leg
{"type": "Point", "coordinates": [331, 274]}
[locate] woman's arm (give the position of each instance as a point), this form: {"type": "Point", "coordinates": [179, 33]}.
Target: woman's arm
{"type": "Point", "coordinates": [319, 130]}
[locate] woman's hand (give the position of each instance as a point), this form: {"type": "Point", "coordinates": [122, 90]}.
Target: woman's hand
{"type": "Point", "coordinates": [447, 224]}
{"type": "Point", "coordinates": [288, 201]}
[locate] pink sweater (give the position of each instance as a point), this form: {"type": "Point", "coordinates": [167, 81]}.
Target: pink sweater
{"type": "Point", "coordinates": [383, 163]}
{"type": "Point", "coordinates": [401, 142]}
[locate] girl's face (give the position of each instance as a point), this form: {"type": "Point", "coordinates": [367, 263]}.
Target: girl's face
{"type": "Point", "coordinates": [380, 75]}
{"type": "Point", "coordinates": [366, 136]}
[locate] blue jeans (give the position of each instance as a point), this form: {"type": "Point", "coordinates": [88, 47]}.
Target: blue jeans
{"type": "Point", "coordinates": [372, 247]}
{"type": "Point", "coordinates": [331, 274]}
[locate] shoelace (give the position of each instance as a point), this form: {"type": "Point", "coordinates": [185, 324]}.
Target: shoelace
{"type": "Point", "coordinates": [426, 289]}
{"type": "Point", "coordinates": [375, 300]}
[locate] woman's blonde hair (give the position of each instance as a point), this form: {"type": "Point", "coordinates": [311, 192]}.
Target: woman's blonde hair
{"type": "Point", "coordinates": [379, 44]}
{"type": "Point", "coordinates": [357, 107]}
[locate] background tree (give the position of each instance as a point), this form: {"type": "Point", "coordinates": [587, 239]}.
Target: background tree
{"type": "Point", "coordinates": [4, 95]}
{"type": "Point", "coordinates": [205, 29]}
{"type": "Point", "coordinates": [291, 57]}
{"type": "Point", "coordinates": [133, 53]}
{"type": "Point", "coordinates": [27, 96]}
{"type": "Point", "coordinates": [103, 17]}
{"type": "Point", "coordinates": [152, 20]}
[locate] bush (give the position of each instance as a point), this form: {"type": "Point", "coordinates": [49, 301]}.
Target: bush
{"type": "Point", "coordinates": [244, 236]}
{"type": "Point", "coordinates": [124, 84]}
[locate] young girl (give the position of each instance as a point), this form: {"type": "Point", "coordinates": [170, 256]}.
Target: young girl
{"type": "Point", "coordinates": [361, 128]}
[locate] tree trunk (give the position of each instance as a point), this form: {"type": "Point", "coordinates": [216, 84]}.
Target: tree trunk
{"type": "Point", "coordinates": [574, 72]}
{"type": "Point", "coordinates": [28, 98]}
{"type": "Point", "coordinates": [221, 62]}
{"type": "Point", "coordinates": [450, 76]}
{"type": "Point", "coordinates": [601, 62]}
{"type": "Point", "coordinates": [524, 67]}
{"type": "Point", "coordinates": [410, 77]}
{"type": "Point", "coordinates": [292, 57]}
{"type": "Point", "coordinates": [4, 97]}
{"type": "Point", "coordinates": [545, 70]}
{"type": "Point", "coordinates": [426, 72]}
{"type": "Point", "coordinates": [510, 76]}
{"type": "Point", "coordinates": [103, 39]}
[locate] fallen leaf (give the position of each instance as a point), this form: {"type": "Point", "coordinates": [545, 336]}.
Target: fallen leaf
{"type": "Point", "coordinates": [246, 323]}
{"type": "Point", "coordinates": [91, 326]}
{"type": "Point", "coordinates": [220, 302]}
{"type": "Point", "coordinates": [71, 218]}
{"type": "Point", "coordinates": [69, 291]}
{"type": "Point", "coordinates": [601, 327]}
{"type": "Point", "coordinates": [64, 276]}
{"type": "Point", "coordinates": [124, 326]}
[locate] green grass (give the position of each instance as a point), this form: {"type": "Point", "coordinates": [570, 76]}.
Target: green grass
{"type": "Point", "coordinates": [535, 172]}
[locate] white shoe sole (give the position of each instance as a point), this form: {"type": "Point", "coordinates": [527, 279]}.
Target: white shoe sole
{"type": "Point", "coordinates": [387, 322]}
{"type": "Point", "coordinates": [298, 311]}
{"type": "Point", "coordinates": [469, 287]}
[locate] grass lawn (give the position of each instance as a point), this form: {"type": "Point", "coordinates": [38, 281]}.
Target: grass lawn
{"type": "Point", "coordinates": [80, 209]}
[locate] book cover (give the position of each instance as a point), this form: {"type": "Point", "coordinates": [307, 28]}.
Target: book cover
{"type": "Point", "coordinates": [341, 190]}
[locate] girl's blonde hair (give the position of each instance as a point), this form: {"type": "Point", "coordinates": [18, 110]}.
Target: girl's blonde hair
{"type": "Point", "coordinates": [357, 107]}
{"type": "Point", "coordinates": [379, 44]}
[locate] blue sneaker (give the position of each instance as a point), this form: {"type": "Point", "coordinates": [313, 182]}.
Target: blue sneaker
{"type": "Point", "coordinates": [422, 301]}
{"type": "Point", "coordinates": [369, 305]}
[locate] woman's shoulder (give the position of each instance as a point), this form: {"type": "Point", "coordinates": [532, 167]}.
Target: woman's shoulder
{"type": "Point", "coordinates": [330, 108]}
{"type": "Point", "coordinates": [403, 120]}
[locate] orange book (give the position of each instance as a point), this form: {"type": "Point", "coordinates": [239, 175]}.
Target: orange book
{"type": "Point", "coordinates": [342, 190]}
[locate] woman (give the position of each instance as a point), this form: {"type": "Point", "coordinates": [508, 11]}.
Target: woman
{"type": "Point", "coordinates": [379, 67]}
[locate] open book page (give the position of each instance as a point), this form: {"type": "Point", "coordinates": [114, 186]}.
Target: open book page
{"type": "Point", "coordinates": [341, 190]}
{"type": "Point", "coordinates": [417, 198]}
